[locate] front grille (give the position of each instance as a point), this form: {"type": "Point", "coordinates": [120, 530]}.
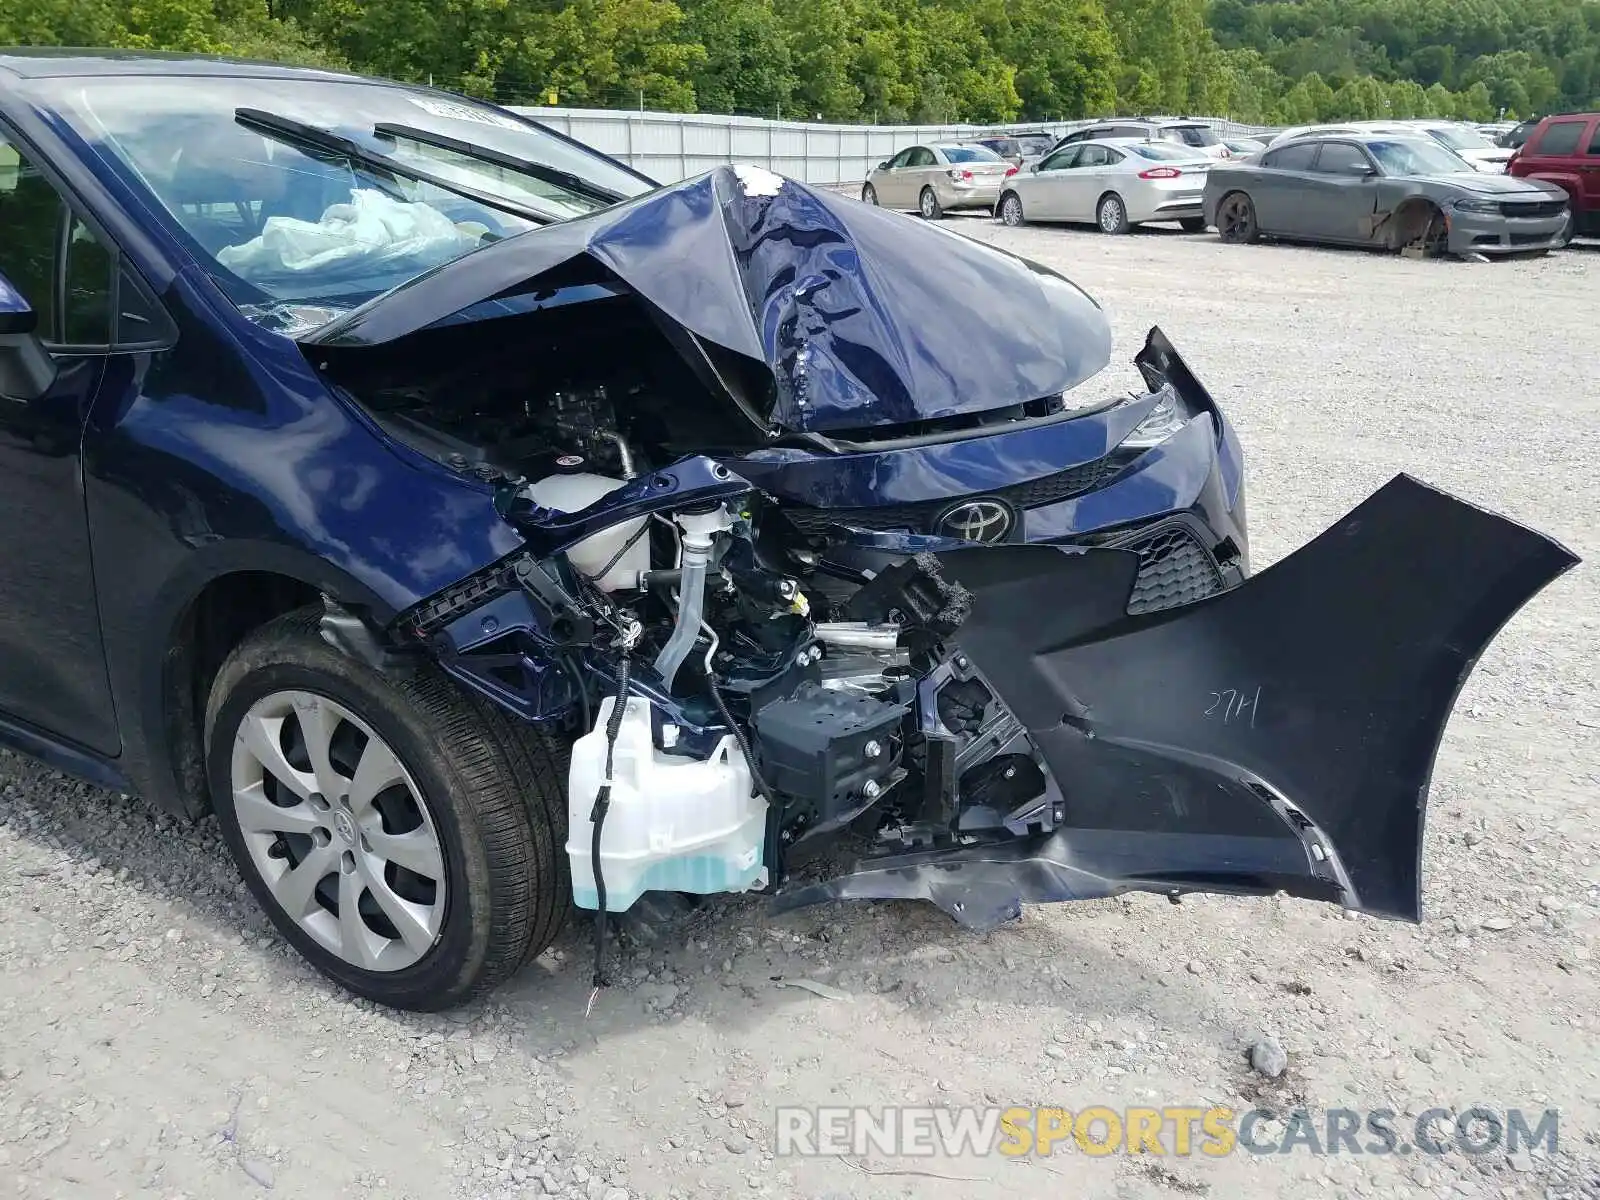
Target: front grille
{"type": "Point", "coordinates": [1174, 569]}
{"type": "Point", "coordinates": [919, 517]}
{"type": "Point", "coordinates": [1537, 208]}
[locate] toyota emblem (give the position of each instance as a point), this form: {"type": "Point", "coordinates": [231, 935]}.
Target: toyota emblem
{"type": "Point", "coordinates": [976, 521]}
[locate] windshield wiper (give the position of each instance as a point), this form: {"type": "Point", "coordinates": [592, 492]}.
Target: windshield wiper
{"type": "Point", "coordinates": [310, 138]}
{"type": "Point", "coordinates": [511, 162]}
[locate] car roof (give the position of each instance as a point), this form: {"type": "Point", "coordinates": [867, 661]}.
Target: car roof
{"type": "Point", "coordinates": [50, 62]}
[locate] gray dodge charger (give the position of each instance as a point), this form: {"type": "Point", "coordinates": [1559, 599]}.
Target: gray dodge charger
{"type": "Point", "coordinates": [1385, 192]}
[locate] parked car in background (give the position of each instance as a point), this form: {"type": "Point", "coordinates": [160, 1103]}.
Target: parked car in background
{"type": "Point", "coordinates": [1195, 134]}
{"type": "Point", "coordinates": [1115, 184]}
{"type": "Point", "coordinates": [1019, 149]}
{"type": "Point", "coordinates": [1482, 152]}
{"type": "Point", "coordinates": [1462, 140]}
{"type": "Point", "coordinates": [1513, 138]}
{"type": "Point", "coordinates": [1243, 147]}
{"type": "Point", "coordinates": [938, 178]}
{"type": "Point", "coordinates": [1384, 192]}
{"type": "Point", "coordinates": [1564, 152]}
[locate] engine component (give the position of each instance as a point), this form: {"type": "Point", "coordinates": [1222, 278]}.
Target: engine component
{"type": "Point", "coordinates": [864, 672]}
{"type": "Point", "coordinates": [614, 557]}
{"type": "Point", "coordinates": [858, 635]}
{"type": "Point", "coordinates": [916, 593]}
{"type": "Point", "coordinates": [672, 824]}
{"type": "Point", "coordinates": [830, 753]}
{"type": "Point", "coordinates": [700, 531]}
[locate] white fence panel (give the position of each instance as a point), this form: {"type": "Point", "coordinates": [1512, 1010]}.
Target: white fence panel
{"type": "Point", "coordinates": [674, 146]}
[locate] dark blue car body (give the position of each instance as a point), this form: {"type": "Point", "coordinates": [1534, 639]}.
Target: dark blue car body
{"type": "Point", "coordinates": [191, 469]}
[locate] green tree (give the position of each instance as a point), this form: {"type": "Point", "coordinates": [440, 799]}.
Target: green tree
{"type": "Point", "coordinates": [748, 67]}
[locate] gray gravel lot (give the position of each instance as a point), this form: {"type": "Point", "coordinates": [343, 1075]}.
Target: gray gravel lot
{"type": "Point", "coordinates": [158, 1040]}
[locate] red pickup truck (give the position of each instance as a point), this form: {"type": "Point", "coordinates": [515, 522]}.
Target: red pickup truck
{"type": "Point", "coordinates": [1565, 151]}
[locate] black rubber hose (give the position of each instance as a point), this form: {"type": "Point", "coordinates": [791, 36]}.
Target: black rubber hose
{"type": "Point", "coordinates": [744, 744]}
{"type": "Point", "coordinates": [602, 804]}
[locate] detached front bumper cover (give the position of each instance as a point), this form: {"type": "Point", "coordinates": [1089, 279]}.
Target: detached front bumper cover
{"type": "Point", "coordinates": [1277, 737]}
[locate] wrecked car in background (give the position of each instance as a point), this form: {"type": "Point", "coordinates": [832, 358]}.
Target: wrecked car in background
{"type": "Point", "coordinates": [479, 529]}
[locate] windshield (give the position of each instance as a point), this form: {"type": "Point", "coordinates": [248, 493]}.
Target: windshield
{"type": "Point", "coordinates": [1003, 146]}
{"type": "Point", "coordinates": [1458, 138]}
{"type": "Point", "coordinates": [1160, 151]}
{"type": "Point", "coordinates": [1032, 147]}
{"type": "Point", "coordinates": [968, 154]}
{"type": "Point", "coordinates": [294, 233]}
{"type": "Point", "coordinates": [1415, 157]}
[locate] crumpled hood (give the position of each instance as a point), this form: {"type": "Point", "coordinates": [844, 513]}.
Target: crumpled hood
{"type": "Point", "coordinates": [864, 317]}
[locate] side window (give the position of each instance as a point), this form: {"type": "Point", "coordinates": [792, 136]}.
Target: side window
{"type": "Point", "coordinates": [51, 257]}
{"type": "Point", "coordinates": [1594, 139]}
{"type": "Point", "coordinates": [923, 157]}
{"type": "Point", "coordinates": [1341, 158]}
{"type": "Point", "coordinates": [1060, 160]}
{"type": "Point", "coordinates": [1296, 157]}
{"type": "Point", "coordinates": [1093, 156]}
{"type": "Point", "coordinates": [1560, 137]}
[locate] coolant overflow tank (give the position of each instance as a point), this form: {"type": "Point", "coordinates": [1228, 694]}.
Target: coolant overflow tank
{"type": "Point", "coordinates": [576, 491]}
{"type": "Point", "coordinates": [674, 824]}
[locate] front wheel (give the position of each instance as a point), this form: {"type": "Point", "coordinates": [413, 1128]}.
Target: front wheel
{"type": "Point", "coordinates": [405, 838]}
{"type": "Point", "coordinates": [1111, 214]}
{"type": "Point", "coordinates": [869, 195]}
{"type": "Point", "coordinates": [1236, 219]}
{"type": "Point", "coordinates": [1011, 209]}
{"type": "Point", "coordinates": [928, 205]}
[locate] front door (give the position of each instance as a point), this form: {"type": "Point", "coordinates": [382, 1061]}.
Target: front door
{"type": "Point", "coordinates": [1342, 194]}
{"type": "Point", "coordinates": [52, 663]}
{"type": "Point", "coordinates": [1045, 191]}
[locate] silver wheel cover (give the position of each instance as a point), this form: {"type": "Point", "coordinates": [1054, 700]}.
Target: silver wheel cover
{"type": "Point", "coordinates": [1110, 213]}
{"type": "Point", "coordinates": [338, 831]}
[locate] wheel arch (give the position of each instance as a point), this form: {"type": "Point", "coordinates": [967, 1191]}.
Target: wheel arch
{"type": "Point", "coordinates": [1411, 219]}
{"type": "Point", "coordinates": [220, 599]}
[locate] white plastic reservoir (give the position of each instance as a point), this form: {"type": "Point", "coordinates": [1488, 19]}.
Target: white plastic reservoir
{"type": "Point", "coordinates": [573, 493]}
{"type": "Point", "coordinates": [674, 825]}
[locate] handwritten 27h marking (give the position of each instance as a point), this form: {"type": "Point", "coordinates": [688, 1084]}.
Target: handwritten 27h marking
{"type": "Point", "coordinates": [1232, 703]}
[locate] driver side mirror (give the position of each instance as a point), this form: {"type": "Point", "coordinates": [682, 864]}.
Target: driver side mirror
{"type": "Point", "coordinates": [1033, 168]}
{"type": "Point", "coordinates": [26, 369]}
{"type": "Point", "coordinates": [884, 165]}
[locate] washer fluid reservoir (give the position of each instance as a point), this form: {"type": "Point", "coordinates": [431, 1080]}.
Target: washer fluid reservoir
{"type": "Point", "coordinates": [675, 824]}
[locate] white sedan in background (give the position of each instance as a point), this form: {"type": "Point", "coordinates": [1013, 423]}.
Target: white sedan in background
{"type": "Point", "coordinates": [1113, 183]}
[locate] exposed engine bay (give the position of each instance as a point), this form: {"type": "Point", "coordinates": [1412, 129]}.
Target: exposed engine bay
{"type": "Point", "coordinates": [804, 561]}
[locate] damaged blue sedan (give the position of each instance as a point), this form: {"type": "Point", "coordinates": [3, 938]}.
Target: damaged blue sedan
{"type": "Point", "coordinates": [481, 530]}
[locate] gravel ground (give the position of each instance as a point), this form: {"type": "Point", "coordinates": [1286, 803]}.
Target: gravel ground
{"type": "Point", "coordinates": [158, 1040]}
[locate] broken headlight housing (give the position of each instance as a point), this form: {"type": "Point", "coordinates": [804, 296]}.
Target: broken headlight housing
{"type": "Point", "coordinates": [1170, 414]}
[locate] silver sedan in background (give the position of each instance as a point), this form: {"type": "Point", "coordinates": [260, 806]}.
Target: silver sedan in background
{"type": "Point", "coordinates": [1113, 183]}
{"type": "Point", "coordinates": [937, 179]}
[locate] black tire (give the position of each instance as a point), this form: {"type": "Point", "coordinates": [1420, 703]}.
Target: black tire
{"type": "Point", "coordinates": [1111, 214]}
{"type": "Point", "coordinates": [869, 195]}
{"type": "Point", "coordinates": [495, 792]}
{"type": "Point", "coordinates": [1236, 219]}
{"type": "Point", "coordinates": [1192, 224]}
{"type": "Point", "coordinates": [928, 205]}
{"type": "Point", "coordinates": [1010, 210]}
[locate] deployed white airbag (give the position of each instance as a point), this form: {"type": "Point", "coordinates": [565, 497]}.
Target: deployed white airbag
{"type": "Point", "coordinates": [371, 230]}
